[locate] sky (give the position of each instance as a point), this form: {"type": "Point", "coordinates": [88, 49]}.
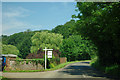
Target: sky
{"type": "Point", "coordinates": [20, 16]}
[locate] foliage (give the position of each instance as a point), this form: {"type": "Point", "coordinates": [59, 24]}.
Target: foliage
{"type": "Point", "coordinates": [21, 40]}
{"type": "Point", "coordinates": [100, 22]}
{"type": "Point", "coordinates": [36, 61]}
{"type": "Point", "coordinates": [0, 47]}
{"type": "Point", "coordinates": [4, 39]}
{"type": "Point", "coordinates": [112, 70]}
{"type": "Point", "coordinates": [40, 54]}
{"type": "Point", "coordinates": [45, 39]}
{"type": "Point", "coordinates": [52, 65]}
{"type": "Point", "coordinates": [3, 78]}
{"type": "Point", "coordinates": [52, 62]}
{"type": "Point", "coordinates": [65, 30]}
{"type": "Point", "coordinates": [9, 49]}
{"type": "Point", "coordinates": [76, 48]}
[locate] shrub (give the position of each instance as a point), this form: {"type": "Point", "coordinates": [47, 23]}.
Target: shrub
{"type": "Point", "coordinates": [52, 65]}
{"type": "Point", "coordinates": [40, 54]}
{"type": "Point", "coordinates": [113, 70]}
{"type": "Point", "coordinates": [52, 62]}
{"type": "Point", "coordinates": [27, 62]}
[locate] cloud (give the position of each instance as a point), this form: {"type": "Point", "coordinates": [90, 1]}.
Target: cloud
{"type": "Point", "coordinates": [12, 22]}
{"type": "Point", "coordinates": [15, 26]}
{"type": "Point", "coordinates": [15, 12]}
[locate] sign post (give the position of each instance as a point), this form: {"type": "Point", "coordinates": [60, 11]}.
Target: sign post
{"type": "Point", "coordinates": [49, 54]}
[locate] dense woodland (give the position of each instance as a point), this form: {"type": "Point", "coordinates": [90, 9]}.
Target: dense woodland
{"type": "Point", "coordinates": [94, 35]}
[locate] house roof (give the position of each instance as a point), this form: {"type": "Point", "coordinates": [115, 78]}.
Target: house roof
{"type": "Point", "coordinates": [9, 55]}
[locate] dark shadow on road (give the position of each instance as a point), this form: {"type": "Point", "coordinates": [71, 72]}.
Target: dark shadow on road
{"type": "Point", "coordinates": [83, 69]}
{"type": "Point", "coordinates": [80, 70]}
{"type": "Point", "coordinates": [86, 62]}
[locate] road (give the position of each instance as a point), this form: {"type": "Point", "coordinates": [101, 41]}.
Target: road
{"type": "Point", "coordinates": [74, 71]}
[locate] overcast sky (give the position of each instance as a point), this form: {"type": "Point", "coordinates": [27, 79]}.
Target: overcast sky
{"type": "Point", "coordinates": [20, 16]}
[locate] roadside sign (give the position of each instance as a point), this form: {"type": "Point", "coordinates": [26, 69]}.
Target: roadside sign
{"type": "Point", "coordinates": [45, 55]}
{"type": "Point", "coordinates": [49, 54]}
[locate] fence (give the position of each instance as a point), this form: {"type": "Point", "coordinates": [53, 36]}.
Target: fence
{"type": "Point", "coordinates": [63, 60]}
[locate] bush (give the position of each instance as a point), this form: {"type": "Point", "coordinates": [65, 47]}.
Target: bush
{"type": "Point", "coordinates": [95, 63]}
{"type": "Point", "coordinates": [52, 65]}
{"type": "Point", "coordinates": [52, 62]}
{"type": "Point", "coordinates": [113, 70]}
{"type": "Point", "coordinates": [41, 53]}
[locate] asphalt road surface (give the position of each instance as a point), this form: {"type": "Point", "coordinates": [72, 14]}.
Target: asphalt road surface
{"type": "Point", "coordinates": [74, 71]}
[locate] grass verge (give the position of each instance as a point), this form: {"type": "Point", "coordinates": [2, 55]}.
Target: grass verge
{"type": "Point", "coordinates": [113, 71]}
{"type": "Point", "coordinates": [3, 78]}
{"type": "Point", "coordinates": [55, 68]}
{"type": "Point", "coordinates": [63, 65]}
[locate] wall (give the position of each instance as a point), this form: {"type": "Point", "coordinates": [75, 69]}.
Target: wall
{"type": "Point", "coordinates": [23, 65]}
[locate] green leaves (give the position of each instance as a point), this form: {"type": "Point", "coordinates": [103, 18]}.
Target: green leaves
{"type": "Point", "coordinates": [45, 39]}
{"type": "Point", "coordinates": [9, 49]}
{"type": "Point", "coordinates": [75, 46]}
{"type": "Point", "coordinates": [100, 23]}
{"type": "Point", "coordinates": [66, 29]}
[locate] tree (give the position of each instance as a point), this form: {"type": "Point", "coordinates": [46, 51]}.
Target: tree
{"type": "Point", "coordinates": [0, 46]}
{"type": "Point", "coordinates": [9, 49]}
{"type": "Point", "coordinates": [45, 39]}
{"type": "Point", "coordinates": [77, 48]}
{"type": "Point", "coordinates": [100, 23]}
{"type": "Point", "coordinates": [21, 40]}
{"type": "Point", "coordinates": [65, 30]}
{"type": "Point", "coordinates": [4, 39]}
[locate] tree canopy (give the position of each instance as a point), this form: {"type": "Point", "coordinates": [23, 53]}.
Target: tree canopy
{"type": "Point", "coordinates": [21, 40]}
{"type": "Point", "coordinates": [100, 22]}
{"type": "Point", "coordinates": [9, 49]}
{"type": "Point", "coordinates": [45, 39]}
{"type": "Point", "coordinates": [66, 29]}
{"type": "Point", "coordinates": [77, 48]}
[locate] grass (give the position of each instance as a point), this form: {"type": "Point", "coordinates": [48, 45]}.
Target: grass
{"type": "Point", "coordinates": [24, 71]}
{"type": "Point", "coordinates": [0, 77]}
{"type": "Point", "coordinates": [55, 68]}
{"type": "Point", "coordinates": [113, 70]}
{"type": "Point", "coordinates": [63, 65]}
{"type": "Point", "coordinates": [3, 78]}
